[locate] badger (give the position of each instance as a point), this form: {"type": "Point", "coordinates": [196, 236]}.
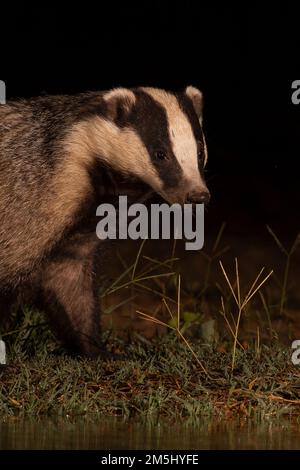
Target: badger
{"type": "Point", "coordinates": [55, 155]}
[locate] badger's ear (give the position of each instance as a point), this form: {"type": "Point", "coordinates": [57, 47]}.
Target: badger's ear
{"type": "Point", "coordinates": [196, 97]}
{"type": "Point", "coordinates": [119, 103]}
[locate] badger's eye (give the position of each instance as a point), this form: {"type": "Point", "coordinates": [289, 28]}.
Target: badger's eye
{"type": "Point", "coordinates": [160, 155]}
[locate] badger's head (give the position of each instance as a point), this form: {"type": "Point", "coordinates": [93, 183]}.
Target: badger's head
{"type": "Point", "coordinates": [157, 136]}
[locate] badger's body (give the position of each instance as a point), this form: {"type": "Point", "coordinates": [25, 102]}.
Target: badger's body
{"type": "Point", "coordinates": [54, 156]}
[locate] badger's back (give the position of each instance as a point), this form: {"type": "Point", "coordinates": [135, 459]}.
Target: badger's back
{"type": "Point", "coordinates": [41, 185]}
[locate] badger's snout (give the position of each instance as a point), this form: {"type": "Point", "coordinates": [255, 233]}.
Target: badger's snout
{"type": "Point", "coordinates": [198, 197]}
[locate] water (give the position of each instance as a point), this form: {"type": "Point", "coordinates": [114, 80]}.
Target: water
{"type": "Point", "coordinates": [118, 434]}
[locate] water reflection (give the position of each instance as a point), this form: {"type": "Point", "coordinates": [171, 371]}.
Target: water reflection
{"type": "Point", "coordinates": [114, 433]}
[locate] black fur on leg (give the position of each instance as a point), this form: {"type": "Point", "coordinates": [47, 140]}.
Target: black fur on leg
{"type": "Point", "coordinates": [69, 294]}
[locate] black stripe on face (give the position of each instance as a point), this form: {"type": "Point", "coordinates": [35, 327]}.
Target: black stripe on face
{"type": "Point", "coordinates": [149, 119]}
{"type": "Point", "coordinates": [187, 107]}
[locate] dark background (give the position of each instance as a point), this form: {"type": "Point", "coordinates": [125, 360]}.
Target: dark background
{"type": "Point", "coordinates": [244, 58]}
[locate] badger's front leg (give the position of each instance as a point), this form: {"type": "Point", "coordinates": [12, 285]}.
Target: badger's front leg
{"type": "Point", "coordinates": [69, 294]}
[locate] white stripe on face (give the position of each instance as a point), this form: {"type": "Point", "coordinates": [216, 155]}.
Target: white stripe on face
{"type": "Point", "coordinates": [181, 135]}
{"type": "Point", "coordinates": [205, 151]}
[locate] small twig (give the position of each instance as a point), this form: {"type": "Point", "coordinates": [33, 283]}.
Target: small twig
{"type": "Point", "coordinates": [137, 258]}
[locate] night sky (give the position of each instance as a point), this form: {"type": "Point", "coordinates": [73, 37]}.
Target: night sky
{"type": "Point", "coordinates": [243, 58]}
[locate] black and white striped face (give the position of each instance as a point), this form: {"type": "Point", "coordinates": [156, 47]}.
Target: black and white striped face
{"type": "Point", "coordinates": [164, 141]}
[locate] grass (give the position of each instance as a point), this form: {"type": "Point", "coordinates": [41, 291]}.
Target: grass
{"type": "Point", "coordinates": [288, 256]}
{"type": "Point", "coordinates": [176, 328]}
{"type": "Point", "coordinates": [178, 374]}
{"type": "Point", "coordinates": [160, 378]}
{"type": "Point", "coordinates": [241, 303]}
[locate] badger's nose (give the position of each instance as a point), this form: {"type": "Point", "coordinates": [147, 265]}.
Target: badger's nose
{"type": "Point", "coordinates": [198, 197]}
